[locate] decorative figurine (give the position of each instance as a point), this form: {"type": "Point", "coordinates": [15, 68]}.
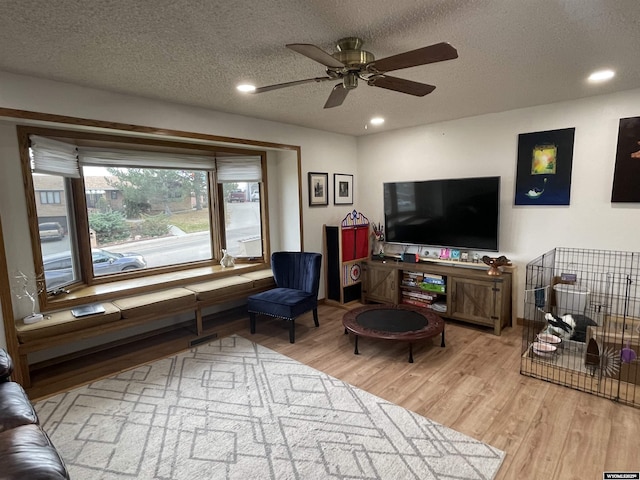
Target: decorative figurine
{"type": "Point", "coordinates": [27, 292]}
{"type": "Point", "coordinates": [494, 264]}
{"type": "Point", "coordinates": [378, 239]}
{"type": "Point", "coordinates": [227, 260]}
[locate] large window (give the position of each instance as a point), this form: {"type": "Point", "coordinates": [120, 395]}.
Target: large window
{"type": "Point", "coordinates": [55, 219]}
{"type": "Point", "coordinates": [142, 210]}
{"type": "Point", "coordinates": [239, 180]}
{"type": "Point", "coordinates": [162, 219]}
{"type": "Point", "coordinates": [242, 219]}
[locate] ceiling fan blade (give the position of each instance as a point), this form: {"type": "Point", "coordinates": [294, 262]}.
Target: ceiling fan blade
{"type": "Point", "coordinates": [268, 88]}
{"type": "Point", "coordinates": [402, 85]}
{"type": "Point", "coordinates": [422, 56]}
{"type": "Point", "coordinates": [337, 96]}
{"type": "Point", "coordinates": [316, 53]}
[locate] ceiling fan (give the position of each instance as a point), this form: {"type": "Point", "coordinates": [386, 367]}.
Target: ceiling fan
{"type": "Point", "coordinates": [350, 63]}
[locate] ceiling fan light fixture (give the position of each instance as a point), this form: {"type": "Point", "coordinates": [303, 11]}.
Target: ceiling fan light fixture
{"type": "Point", "coordinates": [350, 81]}
{"type": "Point", "coordinates": [246, 88]}
{"type": "Point", "coordinates": [601, 76]}
{"type": "Point", "coordinates": [376, 121]}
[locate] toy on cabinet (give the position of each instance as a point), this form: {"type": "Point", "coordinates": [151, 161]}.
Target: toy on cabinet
{"type": "Point", "coordinates": [346, 247]}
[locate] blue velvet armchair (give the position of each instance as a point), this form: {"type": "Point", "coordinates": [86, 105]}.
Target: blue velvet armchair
{"type": "Point", "coordinates": [297, 276]}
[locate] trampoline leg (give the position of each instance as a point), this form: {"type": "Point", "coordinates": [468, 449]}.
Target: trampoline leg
{"type": "Point", "coordinates": [355, 352]}
{"type": "Point", "coordinates": [442, 343]}
{"type": "Point", "coordinates": [345, 330]}
{"type": "Point", "coordinates": [410, 352]}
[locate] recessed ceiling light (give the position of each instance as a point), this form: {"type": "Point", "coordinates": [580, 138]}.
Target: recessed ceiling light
{"type": "Point", "coordinates": [246, 88]}
{"type": "Point", "coordinates": [377, 121]}
{"type": "Point", "coordinates": [601, 76]}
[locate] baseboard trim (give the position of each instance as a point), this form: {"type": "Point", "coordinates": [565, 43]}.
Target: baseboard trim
{"type": "Point", "coordinates": [203, 339]}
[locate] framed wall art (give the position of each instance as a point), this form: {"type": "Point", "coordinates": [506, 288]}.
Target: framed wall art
{"type": "Point", "coordinates": [626, 176]}
{"type": "Point", "coordinates": [543, 175]}
{"type": "Point", "coordinates": [318, 189]}
{"type": "Point", "coordinates": [342, 189]}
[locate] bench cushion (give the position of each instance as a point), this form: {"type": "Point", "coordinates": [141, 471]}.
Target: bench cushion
{"type": "Point", "coordinates": [222, 288]}
{"type": "Point", "coordinates": [261, 278]}
{"type": "Point", "coordinates": [157, 302]}
{"type": "Point", "coordinates": [58, 323]}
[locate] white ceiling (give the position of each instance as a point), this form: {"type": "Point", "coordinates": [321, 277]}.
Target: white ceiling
{"type": "Point", "coordinates": [512, 53]}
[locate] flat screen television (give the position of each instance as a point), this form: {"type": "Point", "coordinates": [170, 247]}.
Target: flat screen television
{"type": "Point", "coordinates": [455, 213]}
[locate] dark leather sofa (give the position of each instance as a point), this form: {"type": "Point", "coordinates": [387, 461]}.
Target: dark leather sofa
{"type": "Point", "coordinates": [26, 452]}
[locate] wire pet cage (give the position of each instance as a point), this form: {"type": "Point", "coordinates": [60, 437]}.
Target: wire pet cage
{"type": "Point", "coordinates": [582, 322]}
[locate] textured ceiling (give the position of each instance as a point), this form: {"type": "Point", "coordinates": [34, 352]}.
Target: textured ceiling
{"type": "Point", "coordinates": [512, 53]}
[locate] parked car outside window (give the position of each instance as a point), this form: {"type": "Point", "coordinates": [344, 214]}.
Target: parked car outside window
{"type": "Point", "coordinates": [237, 196]}
{"type": "Point", "coordinates": [105, 262]}
{"type": "Point", "coordinates": [58, 268]}
{"type": "Point", "coordinates": [255, 196]}
{"type": "Point", "coordinates": [51, 231]}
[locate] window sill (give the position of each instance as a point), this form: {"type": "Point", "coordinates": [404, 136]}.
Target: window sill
{"type": "Point", "coordinates": [151, 283]}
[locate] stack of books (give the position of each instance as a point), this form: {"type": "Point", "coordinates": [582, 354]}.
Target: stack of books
{"type": "Point", "coordinates": [420, 299]}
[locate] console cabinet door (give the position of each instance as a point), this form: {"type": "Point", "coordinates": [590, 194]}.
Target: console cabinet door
{"type": "Point", "coordinates": [379, 284]}
{"type": "Point", "coordinates": [476, 301]}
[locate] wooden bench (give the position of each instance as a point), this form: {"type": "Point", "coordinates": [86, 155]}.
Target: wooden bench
{"type": "Point", "coordinates": [61, 327]}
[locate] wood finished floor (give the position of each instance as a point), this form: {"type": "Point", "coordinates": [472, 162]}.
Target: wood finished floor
{"type": "Point", "coordinates": [473, 386]}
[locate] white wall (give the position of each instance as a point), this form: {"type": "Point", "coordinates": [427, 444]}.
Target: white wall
{"type": "Point", "coordinates": [13, 210]}
{"type": "Point", "coordinates": [487, 145]}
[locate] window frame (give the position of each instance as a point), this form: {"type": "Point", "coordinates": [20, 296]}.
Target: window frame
{"type": "Point", "coordinates": [79, 220]}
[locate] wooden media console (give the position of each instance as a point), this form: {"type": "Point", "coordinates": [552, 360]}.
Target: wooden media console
{"type": "Point", "coordinates": [457, 290]}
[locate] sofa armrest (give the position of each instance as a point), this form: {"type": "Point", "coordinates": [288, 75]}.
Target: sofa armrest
{"type": "Point", "coordinates": [6, 366]}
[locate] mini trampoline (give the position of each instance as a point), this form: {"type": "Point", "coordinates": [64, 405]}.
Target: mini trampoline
{"type": "Point", "coordinates": [406, 323]}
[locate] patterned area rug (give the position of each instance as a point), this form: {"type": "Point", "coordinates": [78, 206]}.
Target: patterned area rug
{"type": "Point", "coordinates": [236, 410]}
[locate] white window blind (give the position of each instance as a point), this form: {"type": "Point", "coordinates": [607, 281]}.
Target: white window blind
{"type": "Point", "coordinates": [132, 158]}
{"type": "Point", "coordinates": [239, 169]}
{"type": "Point", "coordinates": [53, 157]}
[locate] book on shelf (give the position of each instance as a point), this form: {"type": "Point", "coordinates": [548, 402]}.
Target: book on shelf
{"type": "Point", "coordinates": [433, 276]}
{"type": "Point", "coordinates": [417, 303]}
{"type": "Point", "coordinates": [433, 287]}
{"type": "Point", "coordinates": [435, 281]}
{"type": "Point", "coordinates": [420, 295]}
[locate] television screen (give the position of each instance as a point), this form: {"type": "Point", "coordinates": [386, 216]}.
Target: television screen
{"type": "Point", "coordinates": [457, 213]}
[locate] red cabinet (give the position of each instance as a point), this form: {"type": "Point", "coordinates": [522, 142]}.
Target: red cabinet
{"type": "Point", "coordinates": [346, 247]}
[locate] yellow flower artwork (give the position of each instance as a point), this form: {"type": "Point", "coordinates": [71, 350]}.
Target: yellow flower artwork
{"type": "Point", "coordinates": [543, 160]}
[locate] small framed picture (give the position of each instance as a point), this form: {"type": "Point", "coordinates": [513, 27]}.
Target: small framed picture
{"type": "Point", "coordinates": [454, 254]}
{"type": "Point", "coordinates": [444, 253]}
{"type": "Point", "coordinates": [342, 189]}
{"type": "Point", "coordinates": [318, 189]}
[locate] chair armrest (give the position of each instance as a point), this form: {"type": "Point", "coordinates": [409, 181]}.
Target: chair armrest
{"type": "Point", "coordinates": [6, 366]}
